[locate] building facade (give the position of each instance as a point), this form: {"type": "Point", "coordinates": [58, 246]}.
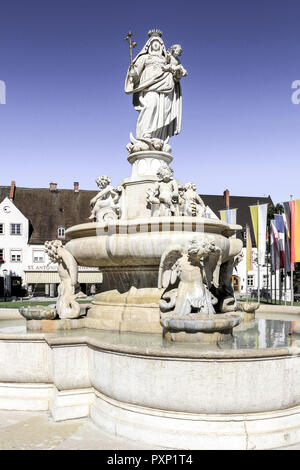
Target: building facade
{"type": "Point", "coordinates": [28, 218]}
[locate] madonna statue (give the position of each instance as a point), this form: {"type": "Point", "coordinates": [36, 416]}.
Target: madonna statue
{"type": "Point", "coordinates": [154, 80]}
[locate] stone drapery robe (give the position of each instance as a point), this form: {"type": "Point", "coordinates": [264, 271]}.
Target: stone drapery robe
{"type": "Point", "coordinates": [157, 97]}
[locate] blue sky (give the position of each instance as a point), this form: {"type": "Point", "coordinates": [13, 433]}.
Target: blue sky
{"type": "Point", "coordinates": [68, 119]}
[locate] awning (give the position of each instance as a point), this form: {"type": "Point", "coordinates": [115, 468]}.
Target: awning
{"type": "Point", "coordinates": [53, 278]}
{"type": "Point", "coordinates": [90, 278]}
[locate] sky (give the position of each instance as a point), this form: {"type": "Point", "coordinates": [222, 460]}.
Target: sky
{"type": "Point", "coordinates": [67, 117]}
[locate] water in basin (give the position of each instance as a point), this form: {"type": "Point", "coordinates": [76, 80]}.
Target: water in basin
{"type": "Point", "coordinates": [260, 333]}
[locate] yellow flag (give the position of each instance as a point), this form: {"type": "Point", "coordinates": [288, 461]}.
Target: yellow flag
{"type": "Point", "coordinates": [223, 215]}
{"type": "Point", "coordinates": [259, 222]}
{"type": "Point", "coordinates": [254, 217]}
{"type": "Point", "coordinates": [249, 254]}
{"type": "Point", "coordinates": [297, 231]}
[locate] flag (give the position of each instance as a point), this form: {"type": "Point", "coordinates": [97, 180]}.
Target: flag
{"type": "Point", "coordinates": [259, 223]}
{"type": "Point", "coordinates": [275, 252]}
{"type": "Point", "coordinates": [292, 213]}
{"type": "Point", "coordinates": [287, 213]}
{"type": "Point", "coordinates": [228, 216]}
{"type": "Point", "coordinates": [249, 252]}
{"type": "Point", "coordinates": [279, 224]}
{"type": "Point", "coordinates": [287, 251]}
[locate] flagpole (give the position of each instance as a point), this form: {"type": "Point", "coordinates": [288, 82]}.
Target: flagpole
{"type": "Point", "coordinates": [292, 283]}
{"type": "Point", "coordinates": [271, 284]}
{"type": "Point", "coordinates": [275, 280]}
{"type": "Point", "coordinates": [292, 270]}
{"type": "Point", "coordinates": [258, 271]}
{"type": "Point", "coordinates": [258, 283]}
{"type": "Point", "coordinates": [247, 246]}
{"type": "Point", "coordinates": [285, 285]}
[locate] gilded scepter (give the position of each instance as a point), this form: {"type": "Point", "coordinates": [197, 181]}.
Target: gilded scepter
{"type": "Point", "coordinates": [131, 45]}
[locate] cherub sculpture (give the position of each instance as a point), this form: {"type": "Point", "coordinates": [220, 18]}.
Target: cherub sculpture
{"type": "Point", "coordinates": [182, 274]}
{"type": "Point", "coordinates": [69, 288]}
{"type": "Point", "coordinates": [105, 204]}
{"type": "Point", "coordinates": [173, 63]}
{"type": "Point", "coordinates": [164, 195]}
{"type": "Point", "coordinates": [194, 206]}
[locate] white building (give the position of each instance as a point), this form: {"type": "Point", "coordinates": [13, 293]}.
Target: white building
{"type": "Point", "coordinates": [25, 225]}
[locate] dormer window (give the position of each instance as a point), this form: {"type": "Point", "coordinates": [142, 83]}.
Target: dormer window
{"type": "Point", "coordinates": [61, 232]}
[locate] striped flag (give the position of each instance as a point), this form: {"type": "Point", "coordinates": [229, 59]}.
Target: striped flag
{"type": "Point", "coordinates": [292, 213]}
{"type": "Point", "coordinates": [275, 251]}
{"type": "Point", "coordinates": [228, 216]}
{"type": "Point", "coordinates": [279, 224]}
{"type": "Point", "coordinates": [287, 251]}
{"type": "Point", "coordinates": [249, 252]}
{"type": "Point", "coordinates": [259, 223]}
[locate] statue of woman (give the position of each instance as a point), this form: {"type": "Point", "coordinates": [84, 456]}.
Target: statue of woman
{"type": "Point", "coordinates": [153, 79]}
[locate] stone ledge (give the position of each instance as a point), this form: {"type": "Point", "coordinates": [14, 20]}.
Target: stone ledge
{"type": "Point", "coordinates": [55, 325]}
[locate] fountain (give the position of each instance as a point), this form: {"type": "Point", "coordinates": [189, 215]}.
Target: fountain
{"type": "Point", "coordinates": [156, 354]}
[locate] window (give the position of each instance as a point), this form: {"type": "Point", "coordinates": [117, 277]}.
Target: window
{"type": "Point", "coordinates": [61, 232]}
{"type": "Point", "coordinates": [250, 281]}
{"type": "Point", "coordinates": [15, 256]}
{"type": "Point", "coordinates": [265, 280]}
{"type": "Point", "coordinates": [38, 256]}
{"type": "Point", "coordinates": [236, 283]}
{"type": "Point", "coordinates": [15, 229]}
{"type": "Point", "coordinates": [1, 229]}
{"type": "Point", "coordinates": [1, 254]}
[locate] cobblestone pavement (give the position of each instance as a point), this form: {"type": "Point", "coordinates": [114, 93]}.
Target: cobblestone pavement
{"type": "Point", "coordinates": [26, 430]}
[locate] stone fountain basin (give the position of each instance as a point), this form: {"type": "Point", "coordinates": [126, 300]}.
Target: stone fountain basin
{"type": "Point", "coordinates": [142, 242]}
{"type": "Point", "coordinates": [169, 395]}
{"type": "Point", "coordinates": [203, 323]}
{"type": "Point", "coordinates": [39, 312]}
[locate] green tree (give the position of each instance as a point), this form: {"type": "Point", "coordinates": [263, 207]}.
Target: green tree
{"type": "Point", "coordinates": [272, 210]}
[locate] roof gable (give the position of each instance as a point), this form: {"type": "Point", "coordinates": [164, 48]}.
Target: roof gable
{"type": "Point", "coordinates": [8, 210]}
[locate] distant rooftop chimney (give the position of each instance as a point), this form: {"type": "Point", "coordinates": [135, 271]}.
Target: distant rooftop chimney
{"type": "Point", "coordinates": [76, 186]}
{"type": "Point", "coordinates": [53, 186]}
{"type": "Point", "coordinates": [226, 198]}
{"type": "Point", "coordinates": [12, 190]}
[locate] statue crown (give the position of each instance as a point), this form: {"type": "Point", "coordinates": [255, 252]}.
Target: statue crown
{"type": "Point", "coordinates": [154, 32]}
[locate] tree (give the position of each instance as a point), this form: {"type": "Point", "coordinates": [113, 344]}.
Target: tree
{"type": "Point", "coordinates": [272, 210]}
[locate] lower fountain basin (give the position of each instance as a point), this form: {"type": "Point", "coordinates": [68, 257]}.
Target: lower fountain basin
{"type": "Point", "coordinates": [169, 395]}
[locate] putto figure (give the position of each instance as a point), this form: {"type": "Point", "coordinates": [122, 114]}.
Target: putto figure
{"type": "Point", "coordinates": [105, 204]}
{"type": "Point", "coordinates": [174, 65]}
{"type": "Point", "coordinates": [193, 204]}
{"type": "Point", "coordinates": [181, 273]}
{"type": "Point", "coordinates": [163, 198]}
{"type": "Point", "coordinates": [153, 79]}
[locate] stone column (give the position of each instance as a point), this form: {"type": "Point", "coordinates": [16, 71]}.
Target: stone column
{"type": "Point", "coordinates": [143, 176]}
